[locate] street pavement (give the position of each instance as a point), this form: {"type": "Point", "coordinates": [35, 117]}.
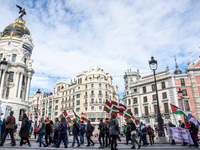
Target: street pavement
{"type": "Point", "coordinates": [121, 146]}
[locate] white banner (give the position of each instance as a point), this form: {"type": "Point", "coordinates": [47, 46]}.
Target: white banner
{"type": "Point", "coordinates": [181, 134]}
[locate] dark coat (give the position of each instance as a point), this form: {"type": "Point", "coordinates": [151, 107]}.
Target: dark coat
{"type": "Point", "coordinates": [113, 127]}
{"type": "Point", "coordinates": [24, 131]}
{"type": "Point", "coordinates": [193, 128]}
{"type": "Point", "coordinates": [3, 126]}
{"type": "Point", "coordinates": [63, 128]}
{"type": "Point", "coordinates": [48, 129]}
{"type": "Point", "coordinates": [75, 128]}
{"type": "Point", "coordinates": [102, 131]}
{"type": "Point", "coordinates": [89, 130]}
{"type": "Point", "coordinates": [10, 122]}
{"type": "Point", "coordinates": [133, 127]}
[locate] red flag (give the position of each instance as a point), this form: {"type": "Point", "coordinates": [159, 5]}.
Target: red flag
{"type": "Point", "coordinates": [77, 118]}
{"type": "Point", "coordinates": [110, 108]}
{"type": "Point", "coordinates": [39, 112]}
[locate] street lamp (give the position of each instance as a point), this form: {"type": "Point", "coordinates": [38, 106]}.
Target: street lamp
{"type": "Point", "coordinates": [37, 95]}
{"type": "Point", "coordinates": [180, 94]}
{"type": "Point", "coordinates": [3, 65]}
{"type": "Point", "coordinates": [153, 65]}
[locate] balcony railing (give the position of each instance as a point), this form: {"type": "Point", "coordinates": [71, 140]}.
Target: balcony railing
{"type": "Point", "coordinates": [85, 96]}
{"type": "Point", "coordinates": [62, 102]}
{"type": "Point", "coordinates": [92, 95]}
{"type": "Point", "coordinates": [107, 96]}
{"type": "Point", "coordinates": [100, 95]}
{"type": "Point", "coordinates": [85, 104]}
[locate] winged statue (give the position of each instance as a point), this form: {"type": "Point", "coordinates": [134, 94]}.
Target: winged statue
{"type": "Point", "coordinates": [22, 11]}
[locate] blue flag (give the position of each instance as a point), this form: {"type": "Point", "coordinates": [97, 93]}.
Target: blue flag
{"type": "Point", "coordinates": [193, 119]}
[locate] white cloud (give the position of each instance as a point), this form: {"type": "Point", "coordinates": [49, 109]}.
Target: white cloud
{"type": "Point", "coordinates": [71, 36]}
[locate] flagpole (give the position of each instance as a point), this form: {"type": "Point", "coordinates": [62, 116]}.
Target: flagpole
{"type": "Point", "coordinates": [175, 120]}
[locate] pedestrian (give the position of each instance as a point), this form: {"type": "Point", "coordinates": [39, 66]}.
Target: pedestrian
{"type": "Point", "coordinates": [75, 133]}
{"type": "Point", "coordinates": [194, 132]}
{"type": "Point", "coordinates": [150, 132]}
{"type": "Point", "coordinates": [172, 125]}
{"type": "Point", "coordinates": [114, 131]}
{"type": "Point", "coordinates": [47, 132]}
{"type": "Point", "coordinates": [51, 132]}
{"type": "Point", "coordinates": [102, 128]}
{"type": "Point", "coordinates": [133, 135]}
{"type": "Point", "coordinates": [128, 133]}
{"type": "Point", "coordinates": [10, 121]}
{"type": "Point", "coordinates": [1, 122]}
{"type": "Point", "coordinates": [3, 128]}
{"type": "Point", "coordinates": [35, 131]}
{"type": "Point", "coordinates": [89, 133]}
{"type": "Point", "coordinates": [82, 132]}
{"type": "Point", "coordinates": [108, 140]}
{"type": "Point", "coordinates": [62, 129]}
{"type": "Point", "coordinates": [41, 132]}
{"type": "Point", "coordinates": [24, 131]}
{"type": "Point", "coordinates": [144, 133]}
{"type": "Point", "coordinates": [182, 125]}
{"type": "Point", "coordinates": [56, 125]}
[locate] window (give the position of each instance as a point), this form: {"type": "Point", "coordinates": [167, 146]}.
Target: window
{"type": "Point", "coordinates": [166, 108]}
{"type": "Point", "coordinates": [106, 86]}
{"type": "Point", "coordinates": [100, 108]}
{"type": "Point", "coordinates": [163, 85]}
{"type": "Point", "coordinates": [155, 109]}
{"type": "Point", "coordinates": [85, 86]}
{"type": "Point", "coordinates": [86, 101]}
{"type": "Point", "coordinates": [66, 92]}
{"type": "Point", "coordinates": [78, 96]}
{"type": "Point", "coordinates": [153, 87]}
{"type": "Point", "coordinates": [23, 80]}
{"type": "Point", "coordinates": [86, 108]}
{"type": "Point", "coordinates": [184, 92]}
{"type": "Point", "coordinates": [80, 80]}
{"type": "Point", "coordinates": [92, 92]}
{"type": "Point", "coordinates": [58, 89]}
{"type": "Point", "coordinates": [154, 97]}
{"type": "Point", "coordinates": [77, 109]}
{"type": "Point", "coordinates": [182, 82]}
{"type": "Point", "coordinates": [11, 76]}
{"type": "Point", "coordinates": [106, 93]}
{"type": "Point", "coordinates": [100, 100]}
{"type": "Point", "coordinates": [129, 102]}
{"type": "Point", "coordinates": [136, 111]}
{"type": "Point", "coordinates": [14, 57]}
{"type": "Point", "coordinates": [164, 95]}
{"type": "Point", "coordinates": [99, 92]}
{"type": "Point", "coordinates": [92, 85]}
{"type": "Point", "coordinates": [146, 110]}
{"type": "Point", "coordinates": [56, 113]}
{"type": "Point", "coordinates": [77, 103]}
{"type": "Point", "coordinates": [144, 89]}
{"type": "Point", "coordinates": [135, 101]}
{"type": "Point", "coordinates": [1, 56]}
{"type": "Point", "coordinates": [135, 90]}
{"type": "Point", "coordinates": [25, 60]}
{"type": "Point", "coordinates": [99, 84]}
{"type": "Point", "coordinates": [92, 101]}
{"type": "Point", "coordinates": [92, 108]}
{"type": "Point", "coordinates": [56, 108]}
{"type": "Point", "coordinates": [85, 93]}
{"type": "Point", "coordinates": [187, 106]}
{"type": "Point", "coordinates": [145, 99]}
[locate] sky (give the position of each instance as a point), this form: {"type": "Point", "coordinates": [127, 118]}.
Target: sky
{"type": "Point", "coordinates": [69, 36]}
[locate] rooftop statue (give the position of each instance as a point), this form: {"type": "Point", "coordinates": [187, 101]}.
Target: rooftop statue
{"type": "Point", "coordinates": [22, 11]}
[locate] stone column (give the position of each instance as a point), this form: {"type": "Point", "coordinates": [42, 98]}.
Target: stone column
{"type": "Point", "coordinates": [20, 85]}
{"type": "Point", "coordinates": [2, 83]}
{"type": "Point", "coordinates": [28, 91]}
{"type": "Point", "coordinates": [16, 84]}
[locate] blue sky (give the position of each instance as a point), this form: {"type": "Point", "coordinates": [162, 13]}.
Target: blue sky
{"type": "Point", "coordinates": [72, 35]}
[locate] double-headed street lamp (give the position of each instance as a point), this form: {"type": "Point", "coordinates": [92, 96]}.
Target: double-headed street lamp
{"type": "Point", "coordinates": [180, 94]}
{"type": "Point", "coordinates": [3, 65]}
{"type": "Point", "coordinates": [153, 65]}
{"type": "Point", "coordinates": [37, 95]}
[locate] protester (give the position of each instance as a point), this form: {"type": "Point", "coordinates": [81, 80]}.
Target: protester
{"type": "Point", "coordinates": [89, 133]}
{"type": "Point", "coordinates": [56, 125]}
{"type": "Point", "coordinates": [182, 125]}
{"type": "Point", "coordinates": [9, 129]}
{"type": "Point", "coordinates": [114, 131]}
{"type": "Point", "coordinates": [51, 132]}
{"type": "Point", "coordinates": [172, 125]}
{"type": "Point", "coordinates": [144, 133]}
{"type": "Point", "coordinates": [128, 133]}
{"type": "Point", "coordinates": [82, 132]}
{"type": "Point", "coordinates": [150, 132]}
{"type": "Point", "coordinates": [108, 140]}
{"type": "Point", "coordinates": [133, 134]}
{"type": "Point", "coordinates": [193, 131]}
{"type": "Point", "coordinates": [41, 131]}
{"type": "Point", "coordinates": [102, 128]}
{"type": "Point", "coordinates": [75, 133]}
{"type": "Point", "coordinates": [1, 122]}
{"type": "Point", "coordinates": [62, 133]}
{"type": "Point", "coordinates": [47, 132]}
{"type": "Point", "coordinates": [35, 131]}
{"type": "Point", "coordinates": [3, 128]}
{"type": "Point", "coordinates": [24, 131]}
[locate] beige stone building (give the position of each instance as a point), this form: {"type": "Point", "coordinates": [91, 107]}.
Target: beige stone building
{"type": "Point", "coordinates": [87, 93]}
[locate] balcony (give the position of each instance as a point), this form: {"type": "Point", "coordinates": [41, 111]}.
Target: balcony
{"type": "Point", "coordinates": [100, 95]}
{"type": "Point", "coordinates": [62, 102]}
{"type": "Point", "coordinates": [85, 104]}
{"type": "Point", "coordinates": [62, 108]}
{"type": "Point", "coordinates": [107, 96]}
{"type": "Point", "coordinates": [85, 96]}
{"type": "Point", "coordinates": [92, 95]}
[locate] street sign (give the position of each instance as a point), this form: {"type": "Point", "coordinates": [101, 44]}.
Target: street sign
{"type": "Point", "coordinates": [36, 118]}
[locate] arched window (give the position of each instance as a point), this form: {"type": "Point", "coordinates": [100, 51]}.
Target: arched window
{"type": "Point", "coordinates": [21, 114]}
{"type": "Point", "coordinates": [136, 111]}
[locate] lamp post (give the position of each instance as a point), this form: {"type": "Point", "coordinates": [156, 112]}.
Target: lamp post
{"type": "Point", "coordinates": [180, 94]}
{"type": "Point", "coordinates": [153, 66]}
{"type": "Point", "coordinates": [3, 65]}
{"type": "Point", "coordinates": [37, 95]}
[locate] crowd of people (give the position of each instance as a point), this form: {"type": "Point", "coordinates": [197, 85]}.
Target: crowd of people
{"type": "Point", "coordinates": [109, 132]}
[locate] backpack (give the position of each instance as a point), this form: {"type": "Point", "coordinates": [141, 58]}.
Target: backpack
{"type": "Point", "coordinates": [92, 128]}
{"type": "Point", "coordinates": [103, 127]}
{"type": "Point", "coordinates": [28, 123]}
{"type": "Point", "coordinates": [82, 128]}
{"type": "Point", "coordinates": [144, 130]}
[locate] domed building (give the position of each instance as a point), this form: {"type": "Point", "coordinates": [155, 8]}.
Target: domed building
{"type": "Point", "coordinates": [16, 69]}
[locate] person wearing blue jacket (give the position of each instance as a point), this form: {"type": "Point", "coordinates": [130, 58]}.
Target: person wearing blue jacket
{"type": "Point", "coordinates": [62, 129]}
{"type": "Point", "coordinates": [75, 133]}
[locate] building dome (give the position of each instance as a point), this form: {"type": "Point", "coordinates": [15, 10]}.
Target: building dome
{"type": "Point", "coordinates": [17, 29]}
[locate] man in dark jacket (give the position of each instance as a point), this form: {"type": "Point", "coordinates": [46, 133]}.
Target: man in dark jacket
{"type": "Point", "coordinates": [172, 125]}
{"type": "Point", "coordinates": [9, 129]}
{"type": "Point", "coordinates": [128, 133]}
{"type": "Point", "coordinates": [89, 133]}
{"type": "Point", "coordinates": [75, 133]}
{"type": "Point", "coordinates": [47, 132]}
{"type": "Point", "coordinates": [193, 132]}
{"type": "Point", "coordinates": [133, 134]}
{"type": "Point", "coordinates": [102, 128]}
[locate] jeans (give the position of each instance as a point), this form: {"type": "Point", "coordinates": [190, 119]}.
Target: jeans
{"type": "Point", "coordinates": [108, 138]}
{"type": "Point", "coordinates": [55, 136]}
{"type": "Point", "coordinates": [134, 140]}
{"type": "Point", "coordinates": [10, 131]}
{"type": "Point", "coordinates": [75, 138]}
{"type": "Point", "coordinates": [144, 138]}
{"type": "Point", "coordinates": [62, 136]}
{"type": "Point", "coordinates": [40, 140]}
{"type": "Point", "coordinates": [113, 142]}
{"type": "Point", "coordinates": [101, 135]}
{"type": "Point", "coordinates": [82, 138]}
